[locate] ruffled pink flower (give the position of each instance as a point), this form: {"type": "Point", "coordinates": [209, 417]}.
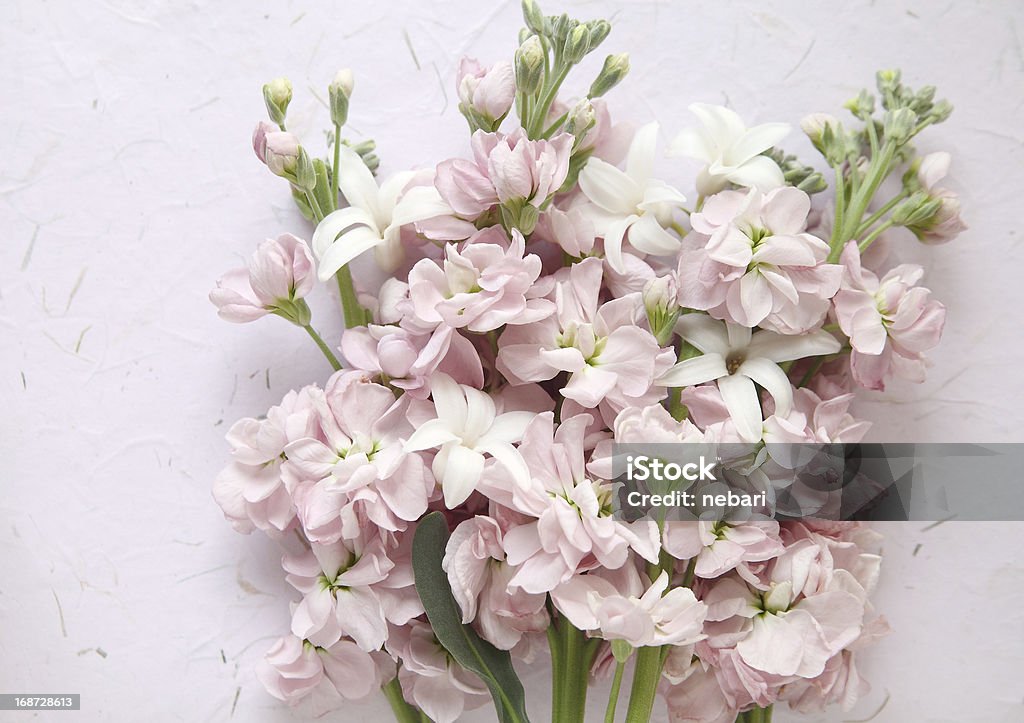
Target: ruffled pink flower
{"type": "Point", "coordinates": [487, 92]}
{"type": "Point", "coordinates": [250, 490]}
{"type": "Point", "coordinates": [359, 461]}
{"type": "Point", "coordinates": [615, 606]}
{"type": "Point", "coordinates": [408, 358]}
{"type": "Point", "coordinates": [946, 224]}
{"type": "Point", "coordinates": [479, 576]}
{"type": "Point", "coordinates": [504, 168]}
{"type": "Point", "coordinates": [281, 271]}
{"type": "Point", "coordinates": [813, 419]}
{"type": "Point", "coordinates": [294, 669]}
{"type": "Point", "coordinates": [720, 546]}
{"type": "Point", "coordinates": [601, 346]}
{"type": "Point", "coordinates": [696, 696]}
{"type": "Point", "coordinates": [573, 529]}
{"type": "Point", "coordinates": [755, 264]}
{"type": "Point", "coordinates": [430, 678]}
{"type": "Point", "coordinates": [891, 321]}
{"type": "Point", "coordinates": [339, 599]}
{"type": "Point", "coordinates": [482, 288]}
{"type": "Point", "coordinates": [571, 229]}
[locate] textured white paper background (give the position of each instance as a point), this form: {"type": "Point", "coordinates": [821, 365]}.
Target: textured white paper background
{"type": "Point", "coordinates": [127, 185]}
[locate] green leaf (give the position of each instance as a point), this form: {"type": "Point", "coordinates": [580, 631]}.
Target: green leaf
{"type": "Point", "coordinates": [470, 650]}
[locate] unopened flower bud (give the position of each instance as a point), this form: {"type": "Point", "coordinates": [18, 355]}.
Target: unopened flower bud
{"type": "Point", "coordinates": [815, 125]}
{"type": "Point", "coordinates": [898, 125]}
{"type": "Point", "coordinates": [660, 296]}
{"type": "Point", "coordinates": [259, 139]}
{"type": "Point", "coordinates": [862, 106]}
{"type": "Point", "coordinates": [599, 30]}
{"type": "Point", "coordinates": [534, 18]}
{"type": "Point", "coordinates": [277, 94]}
{"type": "Point", "coordinates": [581, 118]}
{"type": "Point", "coordinates": [887, 80]}
{"type": "Point", "coordinates": [529, 65]}
{"type": "Point", "coordinates": [614, 70]}
{"type": "Point", "coordinates": [915, 210]}
{"type": "Point", "coordinates": [339, 91]}
{"type": "Point", "coordinates": [305, 171]}
{"type": "Point", "coordinates": [281, 152]}
{"type": "Point", "coordinates": [561, 27]}
{"type": "Point", "coordinates": [577, 44]}
{"type": "Point", "coordinates": [940, 111]}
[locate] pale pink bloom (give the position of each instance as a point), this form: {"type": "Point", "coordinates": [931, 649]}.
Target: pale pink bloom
{"type": "Point", "coordinates": [721, 546]}
{"type": "Point", "coordinates": [466, 427]}
{"type": "Point", "coordinates": [280, 150]}
{"type": "Point", "coordinates": [630, 206]}
{"type": "Point", "coordinates": [477, 572]}
{"type": "Point", "coordinates": [504, 168]}
{"type": "Point", "coordinates": [374, 217]}
{"type": "Point", "coordinates": [339, 599]}
{"type": "Point", "coordinates": [737, 359]}
{"type": "Point", "coordinates": [482, 288]}
{"type": "Point", "coordinates": [731, 151]}
{"type": "Point", "coordinates": [574, 530]}
{"type": "Point", "coordinates": [364, 430]}
{"type": "Point", "coordinates": [606, 140]}
{"type": "Point", "coordinates": [946, 224]}
{"type": "Point", "coordinates": [651, 424]}
{"type": "Point", "coordinates": [840, 683]}
{"type": "Point", "coordinates": [293, 669]}
{"type": "Point", "coordinates": [430, 678]}
{"type": "Point", "coordinates": [891, 321]}
{"type": "Point", "coordinates": [600, 345]}
{"type": "Point", "coordinates": [815, 420]}
{"type": "Point", "coordinates": [281, 270]}
{"type": "Point", "coordinates": [259, 139]}
{"type": "Point", "coordinates": [571, 229]}
{"type": "Point", "coordinates": [758, 265]}
{"type": "Point", "coordinates": [409, 358]}
{"type": "Point", "coordinates": [488, 92]}
{"type": "Point", "coordinates": [697, 697]}
{"type": "Point", "coordinates": [615, 606]}
{"type": "Point", "coordinates": [250, 490]}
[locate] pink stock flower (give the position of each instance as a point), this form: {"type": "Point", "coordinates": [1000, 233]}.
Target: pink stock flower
{"type": "Point", "coordinates": [891, 321]}
{"type": "Point", "coordinates": [571, 229]}
{"type": "Point", "coordinates": [504, 168]}
{"type": "Point", "coordinates": [250, 490]}
{"type": "Point", "coordinates": [280, 150]}
{"type": "Point", "coordinates": [465, 426]}
{"type": "Point", "coordinates": [280, 272]}
{"type": "Point", "coordinates": [487, 92]}
{"type": "Point", "coordinates": [720, 546]}
{"type": "Point", "coordinates": [946, 224]}
{"type": "Point", "coordinates": [816, 420]}
{"type": "Point", "coordinates": [601, 346]}
{"type": "Point", "coordinates": [294, 669]}
{"type": "Point", "coordinates": [573, 529]}
{"type": "Point", "coordinates": [339, 599]}
{"type": "Point", "coordinates": [615, 606]}
{"type": "Point", "coordinates": [430, 678]}
{"type": "Point", "coordinates": [360, 461]}
{"type": "Point", "coordinates": [479, 577]}
{"type": "Point", "coordinates": [482, 288]}
{"type": "Point", "coordinates": [259, 139]}
{"type": "Point", "coordinates": [758, 266]}
{"type": "Point", "coordinates": [696, 696]}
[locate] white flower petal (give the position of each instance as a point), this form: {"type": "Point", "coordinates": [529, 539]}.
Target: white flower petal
{"type": "Point", "coordinates": [771, 377]}
{"type": "Point", "coordinates": [722, 124]}
{"type": "Point", "coordinates": [508, 456]}
{"type": "Point", "coordinates": [781, 348]}
{"type": "Point", "coordinates": [608, 187]}
{"type": "Point", "coordinates": [336, 222]}
{"type": "Point", "coordinates": [640, 160]}
{"type": "Point", "coordinates": [741, 400]}
{"type": "Point", "coordinates": [756, 140]}
{"type": "Point", "coordinates": [347, 247]}
{"type": "Point", "coordinates": [700, 369]}
{"type": "Point", "coordinates": [450, 401]}
{"type": "Point", "coordinates": [479, 413]}
{"type": "Point", "coordinates": [760, 172]}
{"type": "Point", "coordinates": [430, 434]}
{"type": "Point", "coordinates": [461, 474]}
{"type": "Point", "coordinates": [648, 236]}
{"type": "Point", "coordinates": [705, 333]}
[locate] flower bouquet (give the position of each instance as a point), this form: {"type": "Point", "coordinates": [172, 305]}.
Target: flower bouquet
{"type": "Point", "coordinates": [446, 500]}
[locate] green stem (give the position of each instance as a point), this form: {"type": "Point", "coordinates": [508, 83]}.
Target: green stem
{"type": "Point", "coordinates": [811, 372]}
{"type": "Point", "coordinates": [837, 220]}
{"type": "Point", "coordinates": [613, 697]}
{"type": "Point", "coordinates": [323, 347]}
{"type": "Point", "coordinates": [869, 239]}
{"type": "Point", "coordinates": [337, 164]}
{"type": "Point", "coordinates": [541, 110]}
{"type": "Point", "coordinates": [645, 684]}
{"type": "Point", "coordinates": [355, 315]}
{"type": "Point", "coordinates": [557, 662]}
{"type": "Point", "coordinates": [404, 713]}
{"type": "Point", "coordinates": [318, 212]}
{"type": "Point", "coordinates": [873, 218]}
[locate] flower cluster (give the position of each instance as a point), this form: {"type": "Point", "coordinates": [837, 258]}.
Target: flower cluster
{"type": "Point", "coordinates": [547, 296]}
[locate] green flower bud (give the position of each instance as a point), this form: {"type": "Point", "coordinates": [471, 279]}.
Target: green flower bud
{"type": "Point", "coordinates": [614, 70]}
{"type": "Point", "coordinates": [898, 125]}
{"type": "Point", "coordinates": [577, 44]}
{"type": "Point", "coordinates": [599, 30]}
{"type": "Point", "coordinates": [529, 65]}
{"type": "Point", "coordinates": [887, 81]}
{"type": "Point", "coordinates": [277, 94]}
{"type": "Point", "coordinates": [916, 210]}
{"type": "Point", "coordinates": [941, 111]}
{"type": "Point", "coordinates": [862, 106]}
{"type": "Point", "coordinates": [339, 91]}
{"type": "Point", "coordinates": [305, 172]}
{"type": "Point", "coordinates": [534, 18]}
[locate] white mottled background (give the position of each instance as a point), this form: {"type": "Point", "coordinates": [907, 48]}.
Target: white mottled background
{"type": "Point", "coordinates": [127, 185]}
